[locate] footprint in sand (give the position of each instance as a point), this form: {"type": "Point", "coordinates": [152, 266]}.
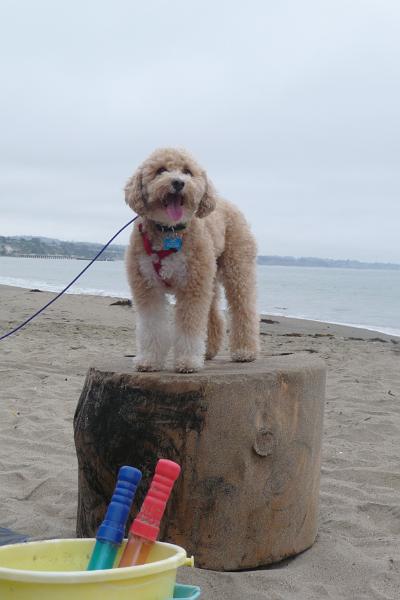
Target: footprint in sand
{"type": "Point", "coordinates": [386, 517]}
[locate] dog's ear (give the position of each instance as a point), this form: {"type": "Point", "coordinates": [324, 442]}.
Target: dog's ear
{"type": "Point", "coordinates": [208, 201]}
{"type": "Point", "coordinates": [135, 194]}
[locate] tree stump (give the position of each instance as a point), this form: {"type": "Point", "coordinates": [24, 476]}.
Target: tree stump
{"type": "Point", "coordinates": [248, 438]}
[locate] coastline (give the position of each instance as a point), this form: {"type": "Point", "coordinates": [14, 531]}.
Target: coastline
{"type": "Point", "coordinates": [357, 298]}
{"type": "Point", "coordinates": [43, 368]}
{"type": "Point", "coordinates": [367, 329]}
{"type": "Point", "coordinates": [99, 293]}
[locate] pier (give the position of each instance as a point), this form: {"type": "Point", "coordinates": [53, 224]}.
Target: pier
{"type": "Point", "coordinates": [51, 256]}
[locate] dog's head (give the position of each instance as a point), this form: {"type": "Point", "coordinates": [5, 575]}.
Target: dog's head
{"type": "Point", "coordinates": [170, 188]}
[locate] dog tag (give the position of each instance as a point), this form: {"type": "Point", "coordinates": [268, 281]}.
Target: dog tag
{"type": "Point", "coordinates": [172, 243]}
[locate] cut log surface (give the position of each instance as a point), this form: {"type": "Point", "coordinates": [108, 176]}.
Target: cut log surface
{"type": "Point", "coordinates": [248, 438]}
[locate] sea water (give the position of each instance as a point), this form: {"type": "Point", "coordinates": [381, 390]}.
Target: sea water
{"type": "Point", "coordinates": [359, 297]}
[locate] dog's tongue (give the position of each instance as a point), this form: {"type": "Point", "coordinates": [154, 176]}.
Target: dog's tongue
{"type": "Point", "coordinates": [174, 209]}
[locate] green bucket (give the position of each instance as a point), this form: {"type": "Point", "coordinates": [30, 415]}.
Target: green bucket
{"type": "Point", "coordinates": [190, 592]}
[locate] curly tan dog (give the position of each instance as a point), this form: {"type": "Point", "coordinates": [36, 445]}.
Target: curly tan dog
{"type": "Point", "coordinates": [186, 242]}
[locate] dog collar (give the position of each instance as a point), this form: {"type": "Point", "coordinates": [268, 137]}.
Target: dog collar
{"type": "Point", "coordinates": [170, 228]}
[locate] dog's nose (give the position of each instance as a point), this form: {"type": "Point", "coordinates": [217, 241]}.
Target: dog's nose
{"type": "Point", "coordinates": [177, 184]}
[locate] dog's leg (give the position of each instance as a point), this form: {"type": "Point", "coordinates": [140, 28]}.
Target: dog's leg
{"type": "Point", "coordinates": [152, 332]}
{"type": "Point", "coordinates": [191, 316]}
{"type": "Point", "coordinates": [216, 326]}
{"type": "Point", "coordinates": [238, 271]}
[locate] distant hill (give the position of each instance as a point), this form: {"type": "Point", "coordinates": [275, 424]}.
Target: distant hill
{"type": "Point", "coordinates": [39, 246]}
{"type": "Point", "coordinates": [291, 261]}
{"type": "Point", "coordinates": [42, 246]}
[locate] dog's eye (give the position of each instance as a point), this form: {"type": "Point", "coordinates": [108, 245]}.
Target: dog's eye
{"type": "Point", "coordinates": [187, 171]}
{"type": "Point", "coordinates": [160, 170]}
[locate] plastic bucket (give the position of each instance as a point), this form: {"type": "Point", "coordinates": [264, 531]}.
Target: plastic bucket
{"type": "Point", "coordinates": [55, 570]}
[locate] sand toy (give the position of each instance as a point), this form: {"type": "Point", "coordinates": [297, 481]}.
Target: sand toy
{"type": "Point", "coordinates": [110, 534]}
{"type": "Point", "coordinates": [146, 527]}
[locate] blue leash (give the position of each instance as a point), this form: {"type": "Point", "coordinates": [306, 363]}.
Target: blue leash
{"type": "Point", "coordinates": [6, 335]}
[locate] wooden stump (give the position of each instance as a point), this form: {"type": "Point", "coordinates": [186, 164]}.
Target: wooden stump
{"type": "Point", "coordinates": [248, 438]}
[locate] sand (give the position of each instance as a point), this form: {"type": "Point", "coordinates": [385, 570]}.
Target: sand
{"type": "Point", "coordinates": [356, 555]}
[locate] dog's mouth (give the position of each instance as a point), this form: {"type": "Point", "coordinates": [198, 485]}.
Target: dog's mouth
{"type": "Point", "coordinates": [173, 204]}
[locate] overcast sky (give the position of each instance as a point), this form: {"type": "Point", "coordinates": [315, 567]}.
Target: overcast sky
{"type": "Point", "coordinates": [293, 107]}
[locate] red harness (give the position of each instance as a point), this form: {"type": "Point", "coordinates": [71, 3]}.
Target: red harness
{"type": "Point", "coordinates": [157, 255]}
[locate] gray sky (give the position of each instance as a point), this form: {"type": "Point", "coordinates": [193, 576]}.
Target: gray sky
{"type": "Point", "coordinates": [292, 107]}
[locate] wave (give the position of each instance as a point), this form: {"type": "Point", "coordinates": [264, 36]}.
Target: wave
{"type": "Point", "coordinates": [48, 287]}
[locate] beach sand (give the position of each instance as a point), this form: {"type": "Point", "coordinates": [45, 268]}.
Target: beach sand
{"type": "Point", "coordinates": [356, 555]}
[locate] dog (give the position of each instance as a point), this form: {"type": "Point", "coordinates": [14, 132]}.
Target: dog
{"type": "Point", "coordinates": [187, 242]}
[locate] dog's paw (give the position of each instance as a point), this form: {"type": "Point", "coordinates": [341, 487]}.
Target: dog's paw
{"type": "Point", "coordinates": [183, 369]}
{"type": "Point", "coordinates": [244, 355]}
{"type": "Point", "coordinates": [147, 366]}
{"type": "Point", "coordinates": [187, 365]}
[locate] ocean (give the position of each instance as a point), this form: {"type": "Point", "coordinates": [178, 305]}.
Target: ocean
{"type": "Point", "coordinates": [362, 298]}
